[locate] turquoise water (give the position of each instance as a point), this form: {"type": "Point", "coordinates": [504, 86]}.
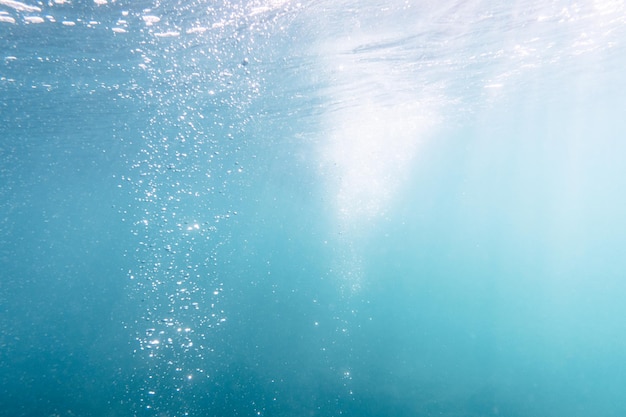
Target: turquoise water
{"type": "Point", "coordinates": [280, 208]}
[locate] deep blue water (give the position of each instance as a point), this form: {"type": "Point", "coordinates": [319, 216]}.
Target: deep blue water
{"type": "Point", "coordinates": [280, 208]}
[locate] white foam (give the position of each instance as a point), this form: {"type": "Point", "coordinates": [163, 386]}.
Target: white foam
{"type": "Point", "coordinates": [169, 34]}
{"type": "Point", "coordinates": [6, 19]}
{"type": "Point", "coordinates": [151, 19]}
{"type": "Point", "coordinates": [197, 29]}
{"type": "Point", "coordinates": [34, 19]}
{"type": "Point", "coordinates": [19, 6]}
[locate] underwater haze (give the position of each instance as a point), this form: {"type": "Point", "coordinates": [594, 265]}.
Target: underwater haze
{"type": "Point", "coordinates": [312, 208]}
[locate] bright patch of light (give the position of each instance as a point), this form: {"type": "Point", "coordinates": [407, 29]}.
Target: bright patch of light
{"type": "Point", "coordinates": [374, 132]}
{"type": "Point", "coordinates": [375, 124]}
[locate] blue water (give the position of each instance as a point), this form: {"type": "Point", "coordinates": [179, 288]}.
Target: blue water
{"type": "Point", "coordinates": [316, 208]}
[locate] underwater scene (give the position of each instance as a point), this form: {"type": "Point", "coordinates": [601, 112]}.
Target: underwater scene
{"type": "Point", "coordinates": [282, 208]}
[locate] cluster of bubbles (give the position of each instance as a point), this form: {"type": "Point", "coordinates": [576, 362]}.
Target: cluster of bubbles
{"type": "Point", "coordinates": [194, 86]}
